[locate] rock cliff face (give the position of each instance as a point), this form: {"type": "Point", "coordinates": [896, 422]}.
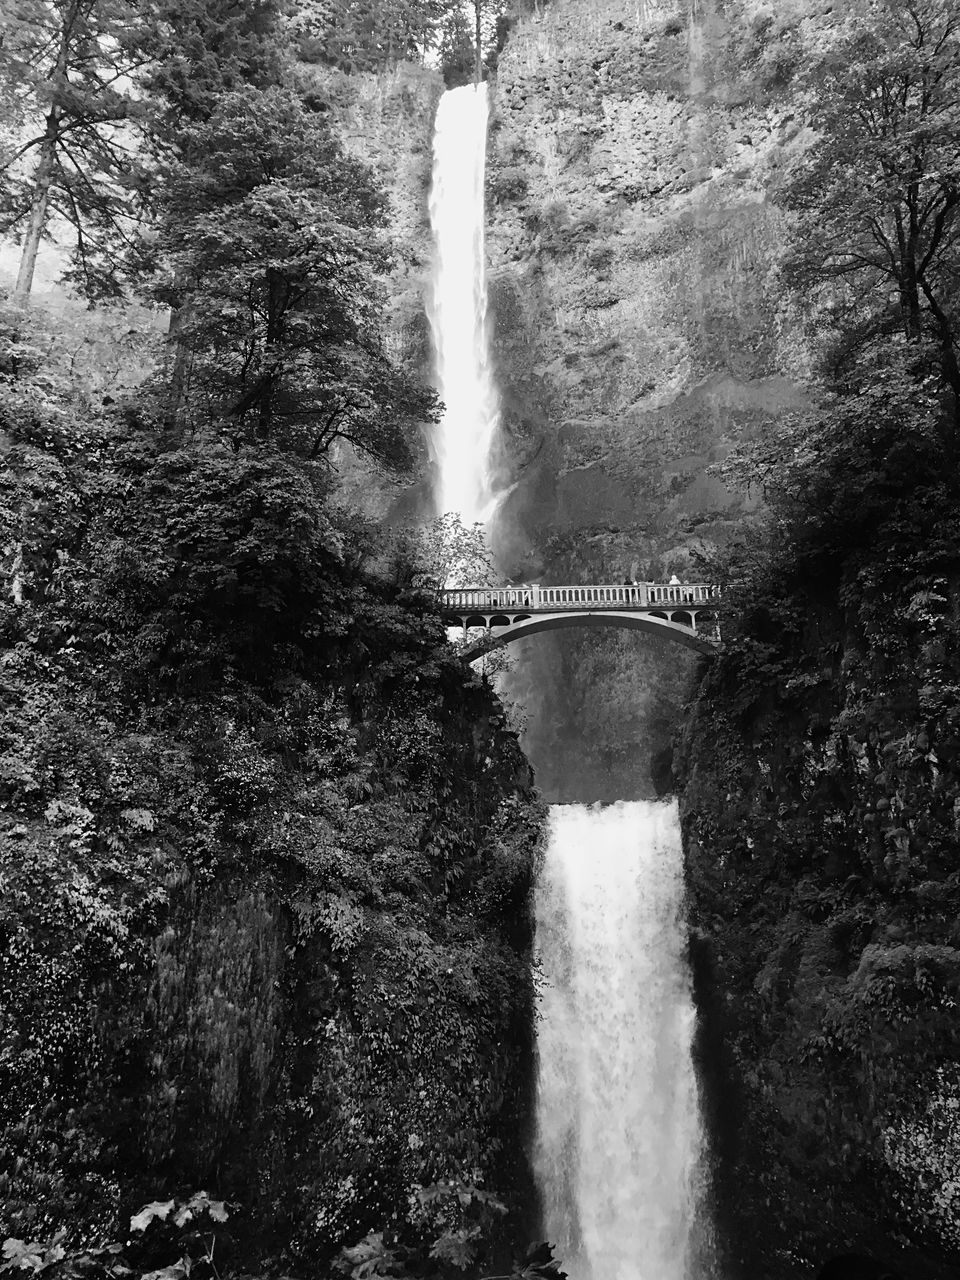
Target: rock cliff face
{"type": "Point", "coordinates": [639, 333]}
{"type": "Point", "coordinates": [639, 329]}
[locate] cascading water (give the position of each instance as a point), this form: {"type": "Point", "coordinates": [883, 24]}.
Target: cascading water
{"type": "Point", "coordinates": [458, 307]}
{"type": "Point", "coordinates": [618, 1126]}
{"type": "Point", "coordinates": [617, 1153]}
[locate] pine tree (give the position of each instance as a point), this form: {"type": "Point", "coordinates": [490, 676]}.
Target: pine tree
{"type": "Point", "coordinates": [274, 238]}
{"type": "Point", "coordinates": [195, 52]}
{"type": "Point", "coordinates": [198, 50]}
{"type": "Point", "coordinates": [68, 66]}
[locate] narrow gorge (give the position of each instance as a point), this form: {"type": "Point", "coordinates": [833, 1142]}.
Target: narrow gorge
{"type": "Point", "coordinates": [619, 1154]}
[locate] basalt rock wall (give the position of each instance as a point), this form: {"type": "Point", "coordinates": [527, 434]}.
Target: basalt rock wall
{"type": "Point", "coordinates": [640, 330]}
{"type": "Point", "coordinates": [640, 333]}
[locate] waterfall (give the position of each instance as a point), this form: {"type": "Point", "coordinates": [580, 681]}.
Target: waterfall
{"type": "Point", "coordinates": [618, 1139]}
{"type": "Point", "coordinates": [618, 1136]}
{"type": "Point", "coordinates": [458, 307]}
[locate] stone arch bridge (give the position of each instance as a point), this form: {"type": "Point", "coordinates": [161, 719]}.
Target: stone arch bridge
{"type": "Point", "coordinates": [686, 613]}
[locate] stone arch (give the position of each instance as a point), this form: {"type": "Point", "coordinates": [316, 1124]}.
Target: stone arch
{"type": "Point", "coordinates": [653, 624]}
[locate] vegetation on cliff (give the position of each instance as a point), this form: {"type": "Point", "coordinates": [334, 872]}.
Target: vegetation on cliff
{"type": "Point", "coordinates": [266, 843]}
{"type": "Point", "coordinates": [821, 762]}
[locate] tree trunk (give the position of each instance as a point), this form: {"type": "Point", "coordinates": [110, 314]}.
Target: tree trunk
{"type": "Point", "coordinates": [910, 299]}
{"type": "Point", "coordinates": [477, 53]}
{"type": "Point", "coordinates": [16, 575]}
{"type": "Point", "coordinates": [179, 385]}
{"type": "Point", "coordinates": [38, 211]}
{"type": "Point", "coordinates": [949, 362]}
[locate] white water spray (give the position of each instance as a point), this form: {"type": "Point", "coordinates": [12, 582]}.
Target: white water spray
{"type": "Point", "coordinates": [618, 1135]}
{"type": "Point", "coordinates": [458, 307]}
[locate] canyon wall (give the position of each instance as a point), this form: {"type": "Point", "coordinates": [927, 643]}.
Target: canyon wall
{"type": "Point", "coordinates": [640, 330]}
{"type": "Point", "coordinates": [640, 334]}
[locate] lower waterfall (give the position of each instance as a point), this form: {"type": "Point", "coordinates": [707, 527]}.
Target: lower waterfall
{"type": "Point", "coordinates": [618, 1145]}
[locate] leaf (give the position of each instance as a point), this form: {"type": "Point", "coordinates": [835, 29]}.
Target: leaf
{"type": "Point", "coordinates": [540, 1264]}
{"type": "Point", "coordinates": [21, 1256]}
{"type": "Point", "coordinates": [158, 1209]}
{"type": "Point", "coordinates": [176, 1272]}
{"type": "Point", "coordinates": [371, 1257]}
{"type": "Point", "coordinates": [455, 1248]}
{"type": "Point", "coordinates": [218, 1211]}
{"type": "Point", "coordinates": [142, 819]}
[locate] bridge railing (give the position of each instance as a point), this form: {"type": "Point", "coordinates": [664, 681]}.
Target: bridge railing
{"type": "Point", "coordinates": [639, 595]}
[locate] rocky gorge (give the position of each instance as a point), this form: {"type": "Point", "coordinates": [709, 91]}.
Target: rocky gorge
{"type": "Point", "coordinates": [275, 866]}
{"type": "Point", "coordinates": [645, 334]}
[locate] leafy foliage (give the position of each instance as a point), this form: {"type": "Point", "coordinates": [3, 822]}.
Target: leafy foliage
{"type": "Point", "coordinates": [197, 51]}
{"type": "Point", "coordinates": [266, 842]}
{"type": "Point", "coordinates": [373, 35]}
{"type": "Point", "coordinates": [820, 805]}
{"type": "Point", "coordinates": [447, 553]}
{"type": "Point", "coordinates": [878, 191]}
{"type": "Point", "coordinates": [368, 35]}
{"type": "Point", "coordinates": [266, 849]}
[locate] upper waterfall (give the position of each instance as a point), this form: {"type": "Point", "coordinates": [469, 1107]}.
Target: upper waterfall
{"type": "Point", "coordinates": [458, 307]}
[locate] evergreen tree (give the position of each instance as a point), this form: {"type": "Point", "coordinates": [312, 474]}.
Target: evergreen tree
{"type": "Point", "coordinates": [275, 236]}
{"type": "Point", "coordinates": [198, 50]}
{"type": "Point", "coordinates": [369, 35]}
{"type": "Point", "coordinates": [68, 66]}
{"type": "Point", "coordinates": [366, 35]}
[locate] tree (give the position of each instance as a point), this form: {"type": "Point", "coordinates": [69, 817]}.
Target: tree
{"type": "Point", "coordinates": [273, 236]}
{"type": "Point", "coordinates": [367, 35]}
{"type": "Point", "coordinates": [198, 50]}
{"type": "Point", "coordinates": [266, 848]}
{"type": "Point", "coordinates": [470, 36]}
{"type": "Point", "coordinates": [69, 63]}
{"type": "Point", "coordinates": [447, 553]}
{"type": "Point", "coordinates": [878, 192]}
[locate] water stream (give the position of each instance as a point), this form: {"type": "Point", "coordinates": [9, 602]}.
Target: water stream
{"type": "Point", "coordinates": [618, 1128]}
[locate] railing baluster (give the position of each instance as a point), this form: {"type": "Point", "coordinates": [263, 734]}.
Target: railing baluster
{"type": "Point", "coordinates": [534, 598]}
